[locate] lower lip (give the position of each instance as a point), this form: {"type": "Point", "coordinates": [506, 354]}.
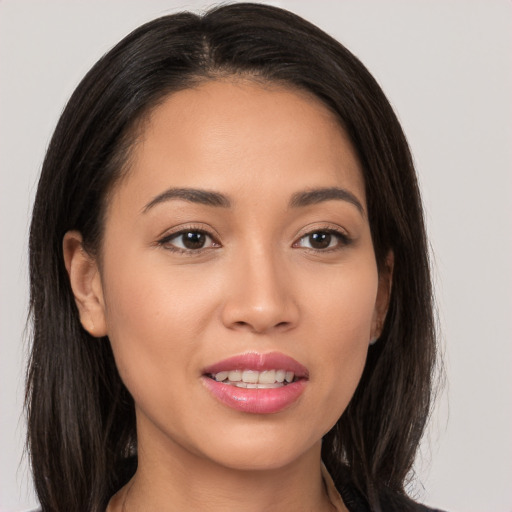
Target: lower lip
{"type": "Point", "coordinates": [256, 401]}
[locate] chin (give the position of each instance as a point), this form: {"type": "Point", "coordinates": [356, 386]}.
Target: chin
{"type": "Point", "coordinates": [264, 449]}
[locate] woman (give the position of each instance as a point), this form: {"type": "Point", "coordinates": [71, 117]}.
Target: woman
{"type": "Point", "coordinates": [229, 278]}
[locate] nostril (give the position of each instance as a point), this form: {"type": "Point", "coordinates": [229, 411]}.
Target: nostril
{"type": "Point", "coordinates": [255, 327]}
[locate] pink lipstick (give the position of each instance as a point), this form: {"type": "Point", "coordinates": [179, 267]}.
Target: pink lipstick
{"type": "Point", "coordinates": [257, 383]}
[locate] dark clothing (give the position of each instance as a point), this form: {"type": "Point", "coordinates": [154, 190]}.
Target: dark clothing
{"type": "Point", "coordinates": [356, 503]}
{"type": "Point", "coordinates": [346, 493]}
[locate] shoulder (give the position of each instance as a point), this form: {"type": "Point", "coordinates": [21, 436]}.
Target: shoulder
{"type": "Point", "coordinates": [344, 492]}
{"type": "Point", "coordinates": [423, 508]}
{"type": "Point", "coordinates": [355, 502]}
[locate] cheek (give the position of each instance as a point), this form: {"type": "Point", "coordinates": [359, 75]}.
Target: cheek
{"type": "Point", "coordinates": [342, 301]}
{"type": "Point", "coordinates": [341, 318]}
{"type": "Point", "coordinates": [152, 320]}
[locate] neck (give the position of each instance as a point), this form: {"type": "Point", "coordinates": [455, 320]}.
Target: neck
{"type": "Point", "coordinates": [176, 479]}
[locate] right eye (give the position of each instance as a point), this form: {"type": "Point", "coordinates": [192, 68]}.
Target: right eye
{"type": "Point", "coordinates": [188, 240]}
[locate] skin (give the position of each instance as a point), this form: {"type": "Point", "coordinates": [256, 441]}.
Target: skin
{"type": "Point", "coordinates": [257, 285]}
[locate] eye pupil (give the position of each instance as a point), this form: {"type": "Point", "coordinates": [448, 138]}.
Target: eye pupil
{"type": "Point", "coordinates": [194, 240]}
{"type": "Point", "coordinates": [320, 240]}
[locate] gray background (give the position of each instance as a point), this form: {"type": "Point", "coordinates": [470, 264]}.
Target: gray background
{"type": "Point", "coordinates": [446, 67]}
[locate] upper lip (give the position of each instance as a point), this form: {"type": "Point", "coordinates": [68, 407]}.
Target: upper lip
{"type": "Point", "coordinates": [259, 362]}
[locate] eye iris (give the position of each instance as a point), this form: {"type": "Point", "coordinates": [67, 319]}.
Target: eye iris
{"type": "Point", "coordinates": [320, 240]}
{"type": "Point", "coordinates": [194, 240]}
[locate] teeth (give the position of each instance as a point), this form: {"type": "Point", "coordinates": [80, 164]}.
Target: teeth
{"type": "Point", "coordinates": [254, 379]}
{"type": "Point", "coordinates": [219, 377]}
{"type": "Point", "coordinates": [267, 377]}
{"type": "Point", "coordinates": [256, 386]}
{"type": "Point", "coordinates": [250, 376]}
{"type": "Point", "coordinates": [235, 376]}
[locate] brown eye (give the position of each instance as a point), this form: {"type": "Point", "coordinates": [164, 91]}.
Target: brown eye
{"type": "Point", "coordinates": [189, 240]}
{"type": "Point", "coordinates": [193, 239]}
{"type": "Point", "coordinates": [322, 240]}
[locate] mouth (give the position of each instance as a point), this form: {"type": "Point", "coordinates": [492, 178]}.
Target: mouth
{"type": "Point", "coordinates": [253, 379]}
{"type": "Point", "coordinates": [257, 383]}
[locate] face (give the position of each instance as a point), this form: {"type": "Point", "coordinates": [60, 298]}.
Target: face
{"type": "Point", "coordinates": [237, 245]}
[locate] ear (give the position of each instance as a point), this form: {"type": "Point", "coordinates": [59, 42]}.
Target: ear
{"type": "Point", "coordinates": [85, 280]}
{"type": "Point", "coordinates": [383, 295]}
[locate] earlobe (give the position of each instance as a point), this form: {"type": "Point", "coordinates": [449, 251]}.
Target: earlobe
{"type": "Point", "coordinates": [383, 296]}
{"type": "Point", "coordinates": [85, 280]}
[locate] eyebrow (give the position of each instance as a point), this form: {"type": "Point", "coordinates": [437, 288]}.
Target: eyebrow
{"type": "Point", "coordinates": [319, 195]}
{"type": "Point", "coordinates": [216, 199]}
{"type": "Point", "coordinates": [192, 195]}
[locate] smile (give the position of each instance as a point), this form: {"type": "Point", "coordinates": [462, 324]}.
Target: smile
{"type": "Point", "coordinates": [257, 383]}
{"type": "Point", "coordinates": [251, 379]}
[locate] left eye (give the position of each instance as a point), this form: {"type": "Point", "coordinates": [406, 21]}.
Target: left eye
{"type": "Point", "coordinates": [320, 240]}
{"type": "Point", "coordinates": [189, 240]}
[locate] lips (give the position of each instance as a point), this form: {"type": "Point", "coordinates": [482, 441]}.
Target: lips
{"type": "Point", "coordinates": [259, 362]}
{"type": "Point", "coordinates": [256, 383]}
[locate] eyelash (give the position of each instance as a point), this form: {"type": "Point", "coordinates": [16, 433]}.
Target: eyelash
{"type": "Point", "coordinates": [343, 240]}
{"type": "Point", "coordinates": [166, 241]}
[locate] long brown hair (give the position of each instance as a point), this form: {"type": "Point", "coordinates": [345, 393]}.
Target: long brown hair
{"type": "Point", "coordinates": [81, 420]}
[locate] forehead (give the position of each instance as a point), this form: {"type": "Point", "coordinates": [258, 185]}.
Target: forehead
{"type": "Point", "coordinates": [242, 136]}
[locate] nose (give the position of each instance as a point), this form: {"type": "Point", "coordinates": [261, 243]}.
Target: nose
{"type": "Point", "coordinates": [260, 297]}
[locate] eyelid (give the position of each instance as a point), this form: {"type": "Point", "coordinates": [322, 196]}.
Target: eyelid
{"type": "Point", "coordinates": [189, 226]}
{"type": "Point", "coordinates": [165, 239]}
{"type": "Point", "coordinates": [322, 226]}
{"type": "Point", "coordinates": [336, 230]}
